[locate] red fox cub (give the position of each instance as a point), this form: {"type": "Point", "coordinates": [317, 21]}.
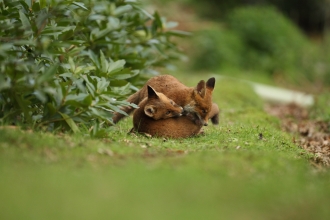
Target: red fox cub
{"type": "Point", "coordinates": [158, 106]}
{"type": "Point", "coordinates": [197, 102]}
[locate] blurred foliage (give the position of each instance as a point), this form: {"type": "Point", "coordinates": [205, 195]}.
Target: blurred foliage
{"type": "Point", "coordinates": [69, 65]}
{"type": "Point", "coordinates": [321, 109]}
{"type": "Point", "coordinates": [254, 38]}
{"type": "Point", "coordinates": [272, 42]}
{"type": "Point", "coordinates": [310, 15]}
{"type": "Point", "coordinates": [263, 40]}
{"type": "Point", "coordinates": [217, 48]}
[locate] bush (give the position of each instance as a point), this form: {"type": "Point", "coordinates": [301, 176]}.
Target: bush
{"type": "Point", "coordinates": [272, 42]}
{"type": "Point", "coordinates": [217, 48]}
{"type": "Point", "coordinates": [66, 63]}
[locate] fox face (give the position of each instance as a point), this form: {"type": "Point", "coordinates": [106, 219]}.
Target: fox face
{"type": "Point", "coordinates": [159, 106]}
{"type": "Point", "coordinates": [200, 106]}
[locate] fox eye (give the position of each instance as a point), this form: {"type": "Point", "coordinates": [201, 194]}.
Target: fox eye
{"type": "Point", "coordinates": [204, 111]}
{"type": "Point", "coordinates": [168, 112]}
{"type": "Point", "coordinates": [172, 103]}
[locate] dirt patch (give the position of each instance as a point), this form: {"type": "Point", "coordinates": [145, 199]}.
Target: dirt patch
{"type": "Point", "coordinates": [309, 134]}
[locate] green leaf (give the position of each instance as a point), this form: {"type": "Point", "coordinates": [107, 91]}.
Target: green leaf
{"type": "Point", "coordinates": [70, 122]}
{"type": "Point", "coordinates": [48, 74]}
{"type": "Point", "coordinates": [122, 10]}
{"type": "Point", "coordinates": [144, 12]}
{"type": "Point", "coordinates": [58, 95]}
{"type": "Point", "coordinates": [93, 57]}
{"type": "Point", "coordinates": [156, 24]}
{"type": "Point", "coordinates": [171, 24]}
{"type": "Point", "coordinates": [36, 7]}
{"type": "Point", "coordinates": [25, 22]}
{"type": "Point", "coordinates": [43, 3]}
{"type": "Point", "coordinates": [104, 63]}
{"type": "Point", "coordinates": [51, 109]}
{"type": "Point", "coordinates": [116, 109]}
{"type": "Point", "coordinates": [41, 20]}
{"type": "Point", "coordinates": [4, 82]}
{"type": "Point", "coordinates": [72, 64]}
{"type": "Point", "coordinates": [97, 33]}
{"type": "Point", "coordinates": [89, 84]}
{"type": "Point", "coordinates": [124, 76]}
{"type": "Point", "coordinates": [80, 5]}
{"type": "Point", "coordinates": [80, 100]}
{"type": "Point", "coordinates": [102, 85]}
{"type": "Point", "coordinates": [40, 95]}
{"type": "Point", "coordinates": [116, 66]}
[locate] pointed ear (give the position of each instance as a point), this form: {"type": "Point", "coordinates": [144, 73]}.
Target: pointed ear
{"type": "Point", "coordinates": [149, 110]}
{"type": "Point", "coordinates": [210, 83]}
{"type": "Point", "coordinates": [152, 93]}
{"type": "Point", "coordinates": [200, 88]}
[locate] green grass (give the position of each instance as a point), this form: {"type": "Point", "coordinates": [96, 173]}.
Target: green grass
{"type": "Point", "coordinates": [229, 173]}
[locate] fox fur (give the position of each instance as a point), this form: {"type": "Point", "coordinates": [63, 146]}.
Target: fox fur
{"type": "Point", "coordinates": [157, 106]}
{"type": "Point", "coordinates": [163, 124]}
{"type": "Point", "coordinates": [196, 101]}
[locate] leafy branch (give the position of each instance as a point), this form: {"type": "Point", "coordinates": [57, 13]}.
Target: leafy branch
{"type": "Point", "coordinates": [69, 64]}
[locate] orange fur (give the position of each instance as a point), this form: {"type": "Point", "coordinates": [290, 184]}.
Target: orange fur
{"type": "Point", "coordinates": [196, 102]}
{"type": "Point", "coordinates": [170, 127]}
{"type": "Point", "coordinates": [158, 106]}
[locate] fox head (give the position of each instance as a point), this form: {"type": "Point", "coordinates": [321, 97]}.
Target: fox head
{"type": "Point", "coordinates": [159, 106]}
{"type": "Point", "coordinates": [201, 104]}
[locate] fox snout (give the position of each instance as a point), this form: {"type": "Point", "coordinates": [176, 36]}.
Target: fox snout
{"type": "Point", "coordinates": [200, 121]}
{"type": "Point", "coordinates": [189, 110]}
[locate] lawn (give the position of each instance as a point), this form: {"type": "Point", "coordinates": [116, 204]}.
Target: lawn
{"type": "Point", "coordinates": [244, 168]}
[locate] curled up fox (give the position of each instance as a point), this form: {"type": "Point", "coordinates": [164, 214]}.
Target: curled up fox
{"type": "Point", "coordinates": [196, 101]}
{"type": "Point", "coordinates": [159, 116]}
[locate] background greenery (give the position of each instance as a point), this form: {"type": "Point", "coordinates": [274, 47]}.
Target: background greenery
{"type": "Point", "coordinates": [285, 39]}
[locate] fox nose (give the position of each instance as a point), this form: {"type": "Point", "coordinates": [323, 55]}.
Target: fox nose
{"type": "Point", "coordinates": [205, 124]}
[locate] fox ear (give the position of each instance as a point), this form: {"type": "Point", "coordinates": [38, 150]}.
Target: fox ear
{"type": "Point", "coordinates": [150, 110]}
{"type": "Point", "coordinates": [200, 88]}
{"type": "Point", "coordinates": [210, 83]}
{"type": "Point", "coordinates": [152, 93]}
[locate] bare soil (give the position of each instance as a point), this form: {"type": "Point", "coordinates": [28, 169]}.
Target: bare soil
{"type": "Point", "coordinates": [309, 134]}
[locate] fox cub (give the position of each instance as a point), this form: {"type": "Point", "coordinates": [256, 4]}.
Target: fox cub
{"type": "Point", "coordinates": [196, 102]}
{"type": "Point", "coordinates": [157, 106]}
